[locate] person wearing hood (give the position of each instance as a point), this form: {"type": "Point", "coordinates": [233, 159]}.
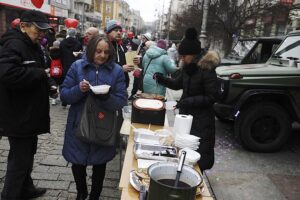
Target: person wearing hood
{"type": "Point", "coordinates": [67, 47]}
{"type": "Point", "coordinates": [173, 53]}
{"type": "Point", "coordinates": [156, 60]}
{"type": "Point", "coordinates": [24, 102]}
{"type": "Point", "coordinates": [198, 81]}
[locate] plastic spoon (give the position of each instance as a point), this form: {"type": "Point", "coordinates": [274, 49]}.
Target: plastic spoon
{"type": "Point", "coordinates": [179, 168]}
{"type": "Point", "coordinates": [89, 83]}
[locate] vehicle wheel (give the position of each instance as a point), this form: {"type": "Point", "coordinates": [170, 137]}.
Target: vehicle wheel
{"type": "Point", "coordinates": [263, 127]}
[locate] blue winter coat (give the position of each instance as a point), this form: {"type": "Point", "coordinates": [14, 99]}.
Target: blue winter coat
{"type": "Point", "coordinates": [160, 62]}
{"type": "Point", "coordinates": [74, 150]}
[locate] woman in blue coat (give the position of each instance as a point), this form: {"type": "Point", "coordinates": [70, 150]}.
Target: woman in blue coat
{"type": "Point", "coordinates": [97, 67]}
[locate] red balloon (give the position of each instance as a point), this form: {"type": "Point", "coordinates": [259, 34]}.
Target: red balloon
{"type": "Point", "coordinates": [15, 23]}
{"type": "Point", "coordinates": [71, 23]}
{"type": "Point", "coordinates": [37, 3]}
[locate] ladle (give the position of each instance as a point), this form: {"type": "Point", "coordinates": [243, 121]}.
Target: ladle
{"type": "Point", "coordinates": [179, 168]}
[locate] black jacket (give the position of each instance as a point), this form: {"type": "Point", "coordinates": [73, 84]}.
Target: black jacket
{"type": "Point", "coordinates": [24, 88]}
{"type": "Point", "coordinates": [120, 58]}
{"type": "Point", "coordinates": [199, 84]}
{"type": "Point", "coordinates": [67, 47]}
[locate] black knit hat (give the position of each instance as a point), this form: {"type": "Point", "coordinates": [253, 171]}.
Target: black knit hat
{"type": "Point", "coordinates": [190, 45]}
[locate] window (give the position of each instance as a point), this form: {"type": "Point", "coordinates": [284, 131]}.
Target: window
{"type": "Point", "coordinates": [108, 9]}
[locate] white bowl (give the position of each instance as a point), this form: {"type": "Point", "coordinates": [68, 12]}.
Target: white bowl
{"type": "Point", "coordinates": [100, 89]}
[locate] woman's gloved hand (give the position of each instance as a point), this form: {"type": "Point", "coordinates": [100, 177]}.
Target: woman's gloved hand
{"type": "Point", "coordinates": [184, 103]}
{"type": "Point", "coordinates": [158, 76]}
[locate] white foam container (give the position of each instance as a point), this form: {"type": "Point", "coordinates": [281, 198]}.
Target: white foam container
{"type": "Point", "coordinates": [191, 157]}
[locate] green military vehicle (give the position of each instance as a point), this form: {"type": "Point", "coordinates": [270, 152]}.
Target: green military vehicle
{"type": "Point", "coordinates": [251, 50]}
{"type": "Point", "coordinates": [263, 100]}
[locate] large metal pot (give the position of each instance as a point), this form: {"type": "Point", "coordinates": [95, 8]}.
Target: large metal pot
{"type": "Point", "coordinates": [165, 190]}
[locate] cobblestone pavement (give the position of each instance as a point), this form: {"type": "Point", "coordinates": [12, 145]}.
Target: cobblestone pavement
{"type": "Point", "coordinates": [51, 171]}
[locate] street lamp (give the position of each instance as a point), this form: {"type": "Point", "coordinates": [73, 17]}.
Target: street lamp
{"type": "Point", "coordinates": [203, 37]}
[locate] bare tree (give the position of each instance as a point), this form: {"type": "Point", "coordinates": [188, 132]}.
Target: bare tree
{"type": "Point", "coordinates": [231, 17]}
{"type": "Point", "coordinates": [235, 16]}
{"type": "Point", "coordinates": [191, 17]}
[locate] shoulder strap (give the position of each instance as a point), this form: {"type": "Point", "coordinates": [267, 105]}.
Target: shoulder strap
{"type": "Point", "coordinates": [147, 67]}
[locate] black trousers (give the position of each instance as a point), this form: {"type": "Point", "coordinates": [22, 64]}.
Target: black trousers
{"type": "Point", "coordinates": [136, 85]}
{"type": "Point", "coordinates": [19, 167]}
{"type": "Point", "coordinates": [79, 173]}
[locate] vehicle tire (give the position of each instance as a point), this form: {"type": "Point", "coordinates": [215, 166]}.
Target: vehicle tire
{"type": "Point", "coordinates": [263, 127]}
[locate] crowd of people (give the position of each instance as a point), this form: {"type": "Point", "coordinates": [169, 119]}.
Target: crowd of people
{"type": "Point", "coordinates": [37, 63]}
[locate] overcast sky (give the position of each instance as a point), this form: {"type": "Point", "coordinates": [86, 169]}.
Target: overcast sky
{"type": "Point", "coordinates": [148, 8]}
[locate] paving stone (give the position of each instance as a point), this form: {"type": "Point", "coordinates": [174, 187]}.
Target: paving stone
{"type": "Point", "coordinates": [112, 175]}
{"type": "Point", "coordinates": [65, 177]}
{"type": "Point", "coordinates": [41, 168]}
{"type": "Point", "coordinates": [54, 160]}
{"type": "Point", "coordinates": [5, 153]}
{"type": "Point", "coordinates": [63, 170]}
{"type": "Point", "coordinates": [62, 185]}
{"type": "Point", "coordinates": [72, 187]}
{"type": "Point", "coordinates": [3, 158]}
{"type": "Point", "coordinates": [3, 166]}
{"type": "Point", "coordinates": [111, 193]}
{"type": "Point", "coordinates": [111, 183]}
{"type": "Point", "coordinates": [45, 176]}
{"type": "Point", "coordinates": [2, 174]}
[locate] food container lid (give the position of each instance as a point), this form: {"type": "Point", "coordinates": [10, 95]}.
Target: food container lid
{"type": "Point", "coordinates": [148, 104]}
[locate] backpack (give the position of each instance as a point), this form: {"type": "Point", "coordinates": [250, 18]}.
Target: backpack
{"type": "Point", "coordinates": [56, 68]}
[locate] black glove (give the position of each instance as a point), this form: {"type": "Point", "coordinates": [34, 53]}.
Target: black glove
{"type": "Point", "coordinates": [158, 76]}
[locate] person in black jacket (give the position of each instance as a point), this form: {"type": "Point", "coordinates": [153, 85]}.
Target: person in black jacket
{"type": "Point", "coordinates": [24, 102]}
{"type": "Point", "coordinates": [113, 30]}
{"type": "Point", "coordinates": [67, 47]}
{"type": "Point", "coordinates": [199, 83]}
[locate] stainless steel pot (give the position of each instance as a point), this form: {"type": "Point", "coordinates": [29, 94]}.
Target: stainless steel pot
{"type": "Point", "coordinates": [165, 190]}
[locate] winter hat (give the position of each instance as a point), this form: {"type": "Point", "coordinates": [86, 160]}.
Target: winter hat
{"type": "Point", "coordinates": [147, 36]}
{"type": "Point", "coordinates": [161, 44]}
{"type": "Point", "coordinates": [56, 44]}
{"type": "Point", "coordinates": [111, 25]}
{"type": "Point", "coordinates": [71, 32]}
{"type": "Point", "coordinates": [190, 45]}
{"type": "Point", "coordinates": [37, 17]}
